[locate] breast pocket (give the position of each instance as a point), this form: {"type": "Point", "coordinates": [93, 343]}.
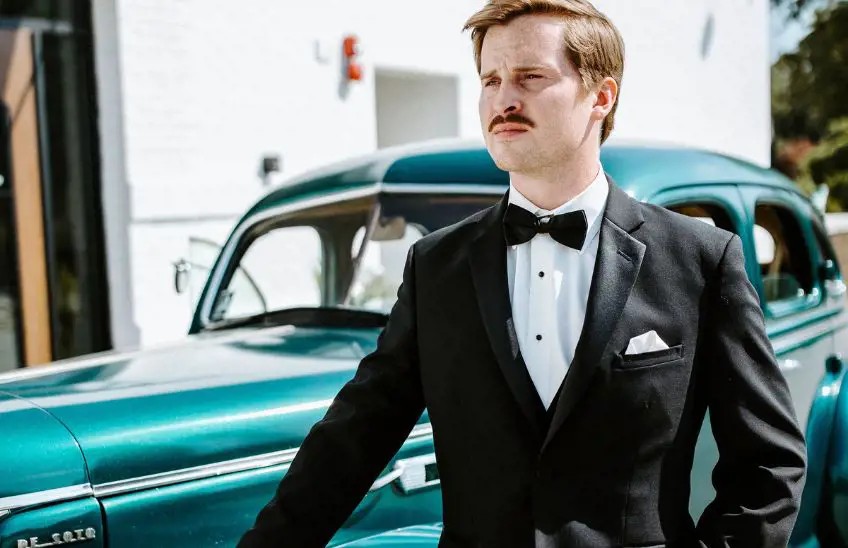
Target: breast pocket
{"type": "Point", "coordinates": [648, 359]}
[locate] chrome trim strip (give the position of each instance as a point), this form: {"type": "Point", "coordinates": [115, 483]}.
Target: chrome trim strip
{"type": "Point", "coordinates": [786, 342]}
{"type": "Point", "coordinates": [371, 190]}
{"type": "Point", "coordinates": [195, 473]}
{"type": "Point", "coordinates": [17, 502]}
{"type": "Point", "coordinates": [791, 323]}
{"type": "Point", "coordinates": [246, 464]}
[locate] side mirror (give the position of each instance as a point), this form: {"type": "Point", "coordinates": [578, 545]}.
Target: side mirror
{"type": "Point", "coordinates": [181, 272]}
{"type": "Point", "coordinates": [389, 229]}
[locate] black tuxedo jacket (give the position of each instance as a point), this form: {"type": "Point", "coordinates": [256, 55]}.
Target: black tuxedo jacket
{"type": "Point", "coordinates": [610, 466]}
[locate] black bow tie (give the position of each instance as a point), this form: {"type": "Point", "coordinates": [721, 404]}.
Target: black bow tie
{"type": "Point", "coordinates": [567, 228]}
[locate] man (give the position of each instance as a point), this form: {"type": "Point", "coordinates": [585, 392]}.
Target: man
{"type": "Point", "coordinates": [566, 342]}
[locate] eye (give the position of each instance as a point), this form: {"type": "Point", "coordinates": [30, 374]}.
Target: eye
{"type": "Point", "coordinates": [490, 82]}
{"type": "Point", "coordinates": [532, 76]}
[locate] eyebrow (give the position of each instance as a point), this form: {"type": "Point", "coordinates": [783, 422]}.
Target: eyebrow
{"type": "Point", "coordinates": [530, 68]}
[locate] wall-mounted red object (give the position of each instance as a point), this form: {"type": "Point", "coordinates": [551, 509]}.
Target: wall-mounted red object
{"type": "Point", "coordinates": [350, 48]}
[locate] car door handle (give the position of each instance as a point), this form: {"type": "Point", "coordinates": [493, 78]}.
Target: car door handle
{"type": "Point", "coordinates": [417, 473]}
{"type": "Point", "coordinates": [411, 475]}
{"type": "Point", "coordinates": [385, 480]}
{"type": "Point", "coordinates": [834, 288]}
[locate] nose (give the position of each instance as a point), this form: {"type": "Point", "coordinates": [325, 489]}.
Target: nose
{"type": "Point", "coordinates": [507, 99]}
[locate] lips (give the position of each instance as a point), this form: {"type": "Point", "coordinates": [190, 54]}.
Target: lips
{"type": "Point", "coordinates": [510, 128]}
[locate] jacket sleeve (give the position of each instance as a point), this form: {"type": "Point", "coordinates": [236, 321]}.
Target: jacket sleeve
{"type": "Point", "coordinates": [760, 471]}
{"type": "Point", "coordinates": [344, 453]}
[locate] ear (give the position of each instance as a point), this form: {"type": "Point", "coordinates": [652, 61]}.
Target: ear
{"type": "Point", "coordinates": [605, 98]}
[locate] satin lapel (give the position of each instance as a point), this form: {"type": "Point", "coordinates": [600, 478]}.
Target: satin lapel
{"type": "Point", "coordinates": [488, 268]}
{"type": "Point", "coordinates": [616, 267]}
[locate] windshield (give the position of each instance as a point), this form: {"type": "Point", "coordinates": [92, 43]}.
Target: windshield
{"type": "Point", "coordinates": [344, 254]}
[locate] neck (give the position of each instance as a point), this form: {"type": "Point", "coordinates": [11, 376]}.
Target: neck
{"type": "Point", "coordinates": [552, 187]}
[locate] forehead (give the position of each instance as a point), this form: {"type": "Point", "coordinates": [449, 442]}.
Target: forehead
{"type": "Point", "coordinates": [526, 40]}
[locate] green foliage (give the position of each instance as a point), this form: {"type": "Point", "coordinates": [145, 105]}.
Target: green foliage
{"type": "Point", "coordinates": [828, 164]}
{"type": "Point", "coordinates": [809, 86]}
{"type": "Point", "coordinates": [809, 101]}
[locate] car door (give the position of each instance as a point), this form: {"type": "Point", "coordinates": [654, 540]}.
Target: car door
{"type": "Point", "coordinates": [214, 503]}
{"type": "Point", "coordinates": [787, 268]}
{"type": "Point", "coordinates": [719, 205]}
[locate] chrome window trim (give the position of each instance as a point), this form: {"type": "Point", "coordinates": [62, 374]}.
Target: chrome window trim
{"type": "Point", "coordinates": [62, 494]}
{"type": "Point", "coordinates": [287, 209]}
{"type": "Point", "coordinates": [246, 464]}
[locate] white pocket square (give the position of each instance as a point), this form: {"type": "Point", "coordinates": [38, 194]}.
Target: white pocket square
{"type": "Point", "coordinates": [646, 342]}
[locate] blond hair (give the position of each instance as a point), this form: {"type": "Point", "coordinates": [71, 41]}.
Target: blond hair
{"type": "Point", "coordinates": [592, 43]}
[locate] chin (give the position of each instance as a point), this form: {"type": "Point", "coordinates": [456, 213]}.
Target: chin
{"type": "Point", "coordinates": [507, 156]}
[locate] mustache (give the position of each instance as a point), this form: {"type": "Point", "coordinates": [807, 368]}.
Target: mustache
{"type": "Point", "coordinates": [511, 118]}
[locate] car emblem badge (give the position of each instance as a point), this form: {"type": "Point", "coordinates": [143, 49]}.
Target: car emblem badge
{"type": "Point", "coordinates": [67, 537]}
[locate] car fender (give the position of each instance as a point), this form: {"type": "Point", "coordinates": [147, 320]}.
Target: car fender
{"type": "Point", "coordinates": [837, 468]}
{"type": "Point", "coordinates": [827, 457]}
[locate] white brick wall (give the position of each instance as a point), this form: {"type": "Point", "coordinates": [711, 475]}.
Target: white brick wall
{"type": "Point", "coordinates": [208, 86]}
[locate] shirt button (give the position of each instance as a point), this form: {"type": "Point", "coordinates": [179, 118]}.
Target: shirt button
{"type": "Point", "coordinates": [541, 274]}
{"type": "Point", "coordinates": [538, 337]}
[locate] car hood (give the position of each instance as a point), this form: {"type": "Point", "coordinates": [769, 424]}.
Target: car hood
{"type": "Point", "coordinates": [212, 399]}
{"type": "Point", "coordinates": [38, 455]}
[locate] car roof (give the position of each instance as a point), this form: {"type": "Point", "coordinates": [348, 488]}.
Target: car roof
{"type": "Point", "coordinates": [640, 168]}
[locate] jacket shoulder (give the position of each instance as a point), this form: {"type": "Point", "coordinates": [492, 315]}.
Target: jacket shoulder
{"type": "Point", "coordinates": [686, 234]}
{"type": "Point", "coordinates": [453, 237]}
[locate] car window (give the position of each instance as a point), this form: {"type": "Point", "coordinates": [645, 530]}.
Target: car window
{"type": "Point", "coordinates": [280, 269]}
{"type": "Point", "coordinates": [781, 254]}
{"type": "Point", "coordinates": [348, 253]}
{"type": "Point", "coordinates": [711, 214]}
{"type": "Point", "coordinates": [380, 268]}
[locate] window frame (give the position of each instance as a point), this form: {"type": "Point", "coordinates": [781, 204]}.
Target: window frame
{"type": "Point", "coordinates": [250, 277]}
{"type": "Point", "coordinates": [296, 217]}
{"type": "Point", "coordinates": [722, 195]}
{"type": "Point", "coordinates": [787, 307]}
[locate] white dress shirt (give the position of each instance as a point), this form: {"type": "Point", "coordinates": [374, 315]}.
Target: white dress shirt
{"type": "Point", "coordinates": [549, 288]}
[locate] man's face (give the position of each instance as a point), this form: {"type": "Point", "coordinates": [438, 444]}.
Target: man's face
{"type": "Point", "coordinates": [534, 111]}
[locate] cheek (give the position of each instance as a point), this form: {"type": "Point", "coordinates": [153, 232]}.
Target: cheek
{"type": "Point", "coordinates": [571, 117]}
{"type": "Point", "coordinates": [483, 109]}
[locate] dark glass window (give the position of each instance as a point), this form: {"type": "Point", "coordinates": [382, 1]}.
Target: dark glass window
{"type": "Point", "coordinates": [71, 176]}
{"type": "Point", "coordinates": [781, 254]}
{"type": "Point", "coordinates": [10, 356]}
{"type": "Point", "coordinates": [64, 89]}
{"type": "Point", "coordinates": [709, 213]}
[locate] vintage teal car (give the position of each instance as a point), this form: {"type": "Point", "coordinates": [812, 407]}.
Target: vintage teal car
{"type": "Point", "coordinates": [183, 445]}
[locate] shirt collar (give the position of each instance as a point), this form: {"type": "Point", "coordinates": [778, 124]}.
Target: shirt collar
{"type": "Point", "coordinates": [592, 200]}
